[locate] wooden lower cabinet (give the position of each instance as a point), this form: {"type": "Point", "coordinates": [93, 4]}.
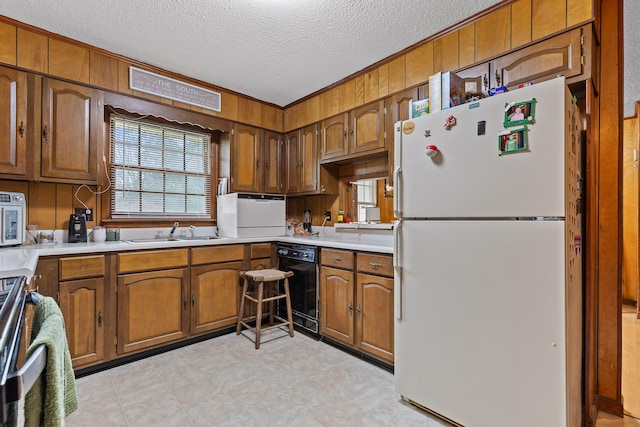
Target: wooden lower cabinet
{"type": "Point", "coordinates": [337, 295]}
{"type": "Point", "coordinates": [374, 315]}
{"type": "Point", "coordinates": [82, 305]}
{"type": "Point", "coordinates": [215, 296]}
{"type": "Point", "coordinates": [356, 307]}
{"type": "Point", "coordinates": [152, 309]}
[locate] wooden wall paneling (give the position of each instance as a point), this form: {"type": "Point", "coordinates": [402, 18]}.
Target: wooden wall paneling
{"type": "Point", "coordinates": [300, 111]}
{"type": "Point", "coordinates": [578, 11]}
{"type": "Point", "coordinates": [249, 111]}
{"type": "Point", "coordinates": [383, 80]}
{"type": "Point", "coordinates": [359, 90]}
{"type": "Point", "coordinates": [312, 110]}
{"type": "Point", "coordinates": [419, 64]}
{"type": "Point", "coordinates": [493, 34]}
{"type": "Point", "coordinates": [547, 17]}
{"type": "Point", "coordinates": [16, 186]}
{"type": "Point", "coordinates": [445, 53]}
{"type": "Point", "coordinates": [466, 45]}
{"type": "Point", "coordinates": [397, 74]}
{"type": "Point", "coordinates": [371, 83]}
{"type": "Point", "coordinates": [609, 231]}
{"type": "Point", "coordinates": [630, 210]}
{"type": "Point", "coordinates": [68, 60]}
{"type": "Point", "coordinates": [103, 70]}
{"type": "Point", "coordinates": [123, 78]}
{"type": "Point", "coordinates": [8, 41]}
{"type": "Point", "coordinates": [287, 119]}
{"type": "Point", "coordinates": [33, 51]}
{"type": "Point", "coordinates": [88, 198]}
{"type": "Point", "coordinates": [42, 205]}
{"type": "Point", "coordinates": [271, 118]}
{"type": "Point", "coordinates": [520, 23]}
{"type": "Point", "coordinates": [65, 204]}
{"type": "Point", "coordinates": [326, 103]}
{"type": "Point", "coordinates": [347, 96]}
{"type": "Point", "coordinates": [228, 106]}
{"type": "Point", "coordinates": [384, 203]}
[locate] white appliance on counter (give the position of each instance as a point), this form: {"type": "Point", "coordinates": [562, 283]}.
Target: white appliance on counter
{"type": "Point", "coordinates": [251, 215]}
{"type": "Point", "coordinates": [488, 260]}
{"type": "Point", "coordinates": [12, 218]}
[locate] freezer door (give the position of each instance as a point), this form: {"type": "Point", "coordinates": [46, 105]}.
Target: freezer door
{"type": "Point", "coordinates": [468, 177]}
{"type": "Point", "coordinates": [481, 338]}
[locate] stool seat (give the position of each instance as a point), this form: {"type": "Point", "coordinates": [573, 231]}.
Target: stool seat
{"type": "Point", "coordinates": [266, 282]}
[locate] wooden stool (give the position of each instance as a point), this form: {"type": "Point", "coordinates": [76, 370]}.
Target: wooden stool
{"type": "Point", "coordinates": [267, 291]}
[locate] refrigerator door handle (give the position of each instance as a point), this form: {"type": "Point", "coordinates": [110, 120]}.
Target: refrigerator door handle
{"type": "Point", "coordinates": [396, 192]}
{"type": "Point", "coordinates": [397, 286]}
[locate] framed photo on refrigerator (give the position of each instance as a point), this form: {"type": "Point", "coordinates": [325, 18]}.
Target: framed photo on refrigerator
{"type": "Point", "coordinates": [519, 113]}
{"type": "Point", "coordinates": [513, 141]}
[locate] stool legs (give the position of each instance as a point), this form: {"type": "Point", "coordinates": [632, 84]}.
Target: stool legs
{"type": "Point", "coordinates": [259, 313]}
{"type": "Point", "coordinates": [288, 301]}
{"type": "Point", "coordinates": [241, 312]}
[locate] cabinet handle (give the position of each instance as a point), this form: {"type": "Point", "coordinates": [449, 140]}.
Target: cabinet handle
{"type": "Point", "coordinates": [185, 303]}
{"type": "Point", "coordinates": [266, 164]}
{"type": "Point", "coordinates": [358, 310]}
{"type": "Point", "coordinates": [336, 259]}
{"type": "Point", "coordinates": [350, 308]}
{"type": "Point", "coordinates": [21, 129]}
{"type": "Point", "coordinates": [375, 264]}
{"type": "Point", "coordinates": [485, 83]}
{"type": "Point", "coordinates": [344, 133]}
{"type": "Point", "coordinates": [100, 319]}
{"type": "Point", "coordinates": [193, 300]}
{"type": "Point", "coordinates": [45, 133]}
{"type": "Point", "coordinates": [258, 164]}
{"type": "Point", "coordinates": [497, 79]}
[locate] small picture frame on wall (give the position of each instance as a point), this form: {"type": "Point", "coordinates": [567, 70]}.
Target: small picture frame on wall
{"type": "Point", "coordinates": [519, 113]}
{"type": "Point", "coordinates": [513, 141]}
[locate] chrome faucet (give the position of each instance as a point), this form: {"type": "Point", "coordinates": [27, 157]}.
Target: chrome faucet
{"type": "Point", "coordinates": [173, 230]}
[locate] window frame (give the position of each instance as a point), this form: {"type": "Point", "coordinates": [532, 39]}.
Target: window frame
{"type": "Point", "coordinates": [191, 126]}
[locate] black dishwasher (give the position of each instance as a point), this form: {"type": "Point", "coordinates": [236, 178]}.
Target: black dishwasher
{"type": "Point", "coordinates": [302, 260]}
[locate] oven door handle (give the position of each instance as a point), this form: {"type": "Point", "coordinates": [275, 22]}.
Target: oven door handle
{"type": "Point", "coordinates": [21, 381]}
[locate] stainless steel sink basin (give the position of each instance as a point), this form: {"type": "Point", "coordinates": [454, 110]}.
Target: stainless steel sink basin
{"type": "Point", "coordinates": [169, 239]}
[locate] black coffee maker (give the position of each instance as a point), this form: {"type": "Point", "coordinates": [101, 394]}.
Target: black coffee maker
{"type": "Point", "coordinates": [306, 224]}
{"type": "Point", "coordinates": [77, 228]}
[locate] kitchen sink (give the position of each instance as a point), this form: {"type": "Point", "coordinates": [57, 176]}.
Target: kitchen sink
{"type": "Point", "coordinates": [169, 239]}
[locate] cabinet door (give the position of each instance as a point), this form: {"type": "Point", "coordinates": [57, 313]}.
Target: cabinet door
{"type": "Point", "coordinates": [547, 59]}
{"type": "Point", "coordinates": [82, 305]}
{"type": "Point", "coordinates": [70, 129]}
{"type": "Point", "coordinates": [294, 163]}
{"type": "Point", "coordinates": [273, 176]}
{"type": "Point", "coordinates": [397, 108]}
{"type": "Point", "coordinates": [374, 316]}
{"type": "Point", "coordinates": [337, 297]}
{"type": "Point", "coordinates": [334, 132]}
{"type": "Point", "coordinates": [309, 159]}
{"type": "Point", "coordinates": [152, 309]}
{"type": "Point", "coordinates": [247, 159]}
{"type": "Point", "coordinates": [215, 296]}
{"type": "Point", "coordinates": [13, 122]}
{"type": "Point", "coordinates": [367, 128]}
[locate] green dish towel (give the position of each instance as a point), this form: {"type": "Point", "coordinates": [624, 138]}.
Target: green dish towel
{"type": "Point", "coordinates": [53, 395]}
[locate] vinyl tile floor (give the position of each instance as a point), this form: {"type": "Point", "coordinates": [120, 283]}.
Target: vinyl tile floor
{"type": "Point", "coordinates": [224, 381]}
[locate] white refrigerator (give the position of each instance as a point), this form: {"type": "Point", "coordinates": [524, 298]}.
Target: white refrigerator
{"type": "Point", "coordinates": [488, 250]}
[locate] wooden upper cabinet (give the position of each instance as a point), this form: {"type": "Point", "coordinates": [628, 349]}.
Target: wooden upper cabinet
{"type": "Point", "coordinates": [560, 55]}
{"type": "Point", "coordinates": [247, 159]}
{"type": "Point", "coordinates": [396, 108]}
{"type": "Point", "coordinates": [309, 158]}
{"type": "Point", "coordinates": [13, 123]}
{"type": "Point", "coordinates": [367, 128]}
{"type": "Point", "coordinates": [70, 132]}
{"type": "Point", "coordinates": [333, 134]}
{"type": "Point", "coordinates": [273, 153]}
{"type": "Point", "coordinates": [293, 162]}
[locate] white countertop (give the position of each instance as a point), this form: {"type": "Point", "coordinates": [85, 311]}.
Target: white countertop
{"type": "Point", "coordinates": [22, 260]}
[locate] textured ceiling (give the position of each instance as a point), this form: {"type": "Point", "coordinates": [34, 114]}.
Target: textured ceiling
{"type": "Point", "coordinates": [274, 50]}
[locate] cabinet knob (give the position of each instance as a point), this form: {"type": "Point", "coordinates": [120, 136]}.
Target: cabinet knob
{"type": "Point", "coordinates": [350, 308]}
{"type": "Point", "coordinates": [45, 133]}
{"type": "Point", "coordinates": [193, 300]}
{"type": "Point", "coordinates": [21, 129]}
{"type": "Point", "coordinates": [100, 319]}
{"type": "Point", "coordinates": [358, 310]}
{"type": "Point", "coordinates": [185, 303]}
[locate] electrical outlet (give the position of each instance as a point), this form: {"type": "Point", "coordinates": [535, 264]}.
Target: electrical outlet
{"type": "Point", "coordinates": [327, 215]}
{"type": "Point", "coordinates": [88, 213]}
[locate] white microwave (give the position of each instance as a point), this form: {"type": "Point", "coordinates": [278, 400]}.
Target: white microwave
{"type": "Point", "coordinates": [12, 217]}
